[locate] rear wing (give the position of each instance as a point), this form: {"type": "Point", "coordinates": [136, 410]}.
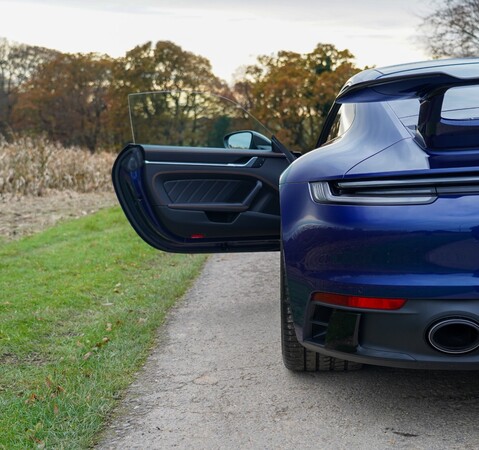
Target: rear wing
{"type": "Point", "coordinates": [402, 87]}
{"type": "Point", "coordinates": [433, 130]}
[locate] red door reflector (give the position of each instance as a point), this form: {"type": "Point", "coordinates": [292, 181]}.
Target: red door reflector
{"type": "Point", "coordinates": [352, 301]}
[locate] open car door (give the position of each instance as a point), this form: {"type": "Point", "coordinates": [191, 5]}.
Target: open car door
{"type": "Point", "coordinates": [201, 176]}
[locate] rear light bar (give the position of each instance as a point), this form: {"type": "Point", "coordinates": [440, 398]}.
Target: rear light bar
{"type": "Point", "coordinates": [412, 182]}
{"type": "Point", "coordinates": [352, 301]}
{"type": "Point", "coordinates": [378, 194]}
{"type": "Point", "coordinates": [399, 191]}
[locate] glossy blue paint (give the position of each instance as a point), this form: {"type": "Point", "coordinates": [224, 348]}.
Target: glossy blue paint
{"type": "Point", "coordinates": [363, 139]}
{"type": "Point", "coordinates": [405, 250]}
{"type": "Point", "coordinates": [417, 80]}
{"type": "Point", "coordinates": [458, 67]}
{"type": "Point", "coordinates": [428, 254]}
{"type": "Point", "coordinates": [381, 250]}
{"type": "Point", "coordinates": [404, 155]}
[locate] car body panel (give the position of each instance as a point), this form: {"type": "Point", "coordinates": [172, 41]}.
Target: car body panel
{"type": "Point", "coordinates": [334, 160]}
{"type": "Point", "coordinates": [428, 255]}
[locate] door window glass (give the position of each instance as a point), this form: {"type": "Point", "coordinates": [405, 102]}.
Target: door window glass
{"type": "Point", "coordinates": [187, 119]}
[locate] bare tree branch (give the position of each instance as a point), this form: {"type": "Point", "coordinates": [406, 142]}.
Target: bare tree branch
{"type": "Point", "coordinates": [452, 29]}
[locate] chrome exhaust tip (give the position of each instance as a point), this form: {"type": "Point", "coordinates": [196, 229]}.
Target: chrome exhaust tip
{"type": "Point", "coordinates": [454, 336]}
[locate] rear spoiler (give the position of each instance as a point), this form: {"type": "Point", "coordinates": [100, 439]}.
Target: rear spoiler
{"type": "Point", "coordinates": [433, 131]}
{"type": "Point", "coordinates": [420, 86]}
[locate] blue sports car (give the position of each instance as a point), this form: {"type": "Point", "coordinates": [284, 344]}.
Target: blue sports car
{"type": "Point", "coordinates": [378, 228]}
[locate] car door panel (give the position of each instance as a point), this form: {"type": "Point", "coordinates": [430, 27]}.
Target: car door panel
{"type": "Point", "coordinates": [212, 194]}
{"type": "Point", "coordinates": [189, 199]}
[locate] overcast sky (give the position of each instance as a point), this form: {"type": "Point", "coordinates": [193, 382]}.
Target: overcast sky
{"type": "Point", "coordinates": [230, 33]}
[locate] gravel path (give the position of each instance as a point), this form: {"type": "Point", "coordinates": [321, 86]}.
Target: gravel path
{"type": "Point", "coordinates": [216, 381]}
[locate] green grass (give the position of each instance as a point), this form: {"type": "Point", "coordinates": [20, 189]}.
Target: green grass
{"type": "Point", "coordinates": [79, 306]}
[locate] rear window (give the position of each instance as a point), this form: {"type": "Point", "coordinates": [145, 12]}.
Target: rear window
{"type": "Point", "coordinates": [458, 125]}
{"type": "Point", "coordinates": [461, 103]}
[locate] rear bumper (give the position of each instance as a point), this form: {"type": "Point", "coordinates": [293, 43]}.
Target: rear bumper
{"type": "Point", "coordinates": [427, 254]}
{"type": "Point", "coordinates": [393, 338]}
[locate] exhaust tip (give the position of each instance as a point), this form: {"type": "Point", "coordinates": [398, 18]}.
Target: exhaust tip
{"type": "Point", "coordinates": [454, 336]}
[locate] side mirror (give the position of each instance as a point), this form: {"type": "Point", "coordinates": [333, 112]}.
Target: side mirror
{"type": "Point", "coordinates": [247, 140]}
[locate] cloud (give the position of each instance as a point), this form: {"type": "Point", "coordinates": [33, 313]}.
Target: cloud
{"type": "Point", "coordinates": [365, 13]}
{"type": "Point", "coordinates": [229, 33]}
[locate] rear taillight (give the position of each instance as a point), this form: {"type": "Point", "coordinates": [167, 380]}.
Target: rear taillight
{"type": "Point", "coordinates": [394, 191]}
{"type": "Point", "coordinates": [373, 194]}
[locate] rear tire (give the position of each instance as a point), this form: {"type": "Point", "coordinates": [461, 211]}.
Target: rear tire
{"type": "Point", "coordinates": [296, 357]}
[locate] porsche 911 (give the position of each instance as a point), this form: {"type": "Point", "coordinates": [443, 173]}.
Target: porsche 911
{"type": "Point", "coordinates": [377, 228]}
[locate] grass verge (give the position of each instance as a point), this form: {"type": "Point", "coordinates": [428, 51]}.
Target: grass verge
{"type": "Point", "coordinates": [79, 306]}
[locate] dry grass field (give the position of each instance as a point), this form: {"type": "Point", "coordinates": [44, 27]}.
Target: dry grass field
{"type": "Point", "coordinates": [34, 167]}
{"type": "Point", "coordinates": [42, 183]}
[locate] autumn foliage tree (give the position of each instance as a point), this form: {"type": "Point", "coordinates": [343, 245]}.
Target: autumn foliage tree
{"type": "Point", "coordinates": [67, 100]}
{"type": "Point", "coordinates": [151, 67]}
{"type": "Point", "coordinates": [82, 99]}
{"type": "Point", "coordinates": [291, 93]}
{"type": "Point", "coordinates": [18, 63]}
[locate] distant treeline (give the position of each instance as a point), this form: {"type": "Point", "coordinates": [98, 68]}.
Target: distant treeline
{"type": "Point", "coordinates": [81, 99]}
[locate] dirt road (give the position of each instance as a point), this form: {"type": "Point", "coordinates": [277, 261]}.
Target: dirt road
{"type": "Point", "coordinates": [216, 381]}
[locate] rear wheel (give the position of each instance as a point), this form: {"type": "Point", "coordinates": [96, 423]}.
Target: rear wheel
{"type": "Point", "coordinates": [295, 356]}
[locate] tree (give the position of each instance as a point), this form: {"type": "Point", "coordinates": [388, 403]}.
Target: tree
{"type": "Point", "coordinates": [163, 66]}
{"type": "Point", "coordinates": [67, 100]}
{"type": "Point", "coordinates": [452, 29]}
{"type": "Point", "coordinates": [82, 99]}
{"type": "Point", "coordinates": [18, 63]}
{"type": "Point", "coordinates": [291, 93]}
